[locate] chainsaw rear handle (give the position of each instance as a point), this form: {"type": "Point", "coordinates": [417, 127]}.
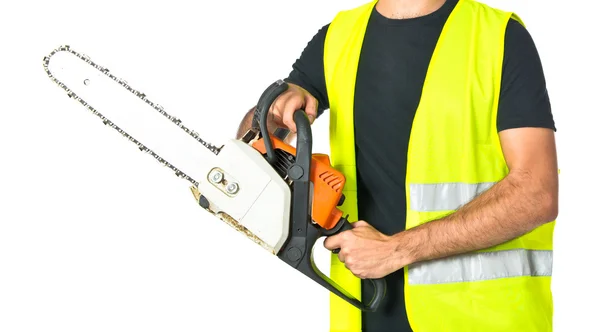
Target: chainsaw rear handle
{"type": "Point", "coordinates": [297, 252]}
{"type": "Point", "coordinates": [379, 284]}
{"type": "Point", "coordinates": [301, 208]}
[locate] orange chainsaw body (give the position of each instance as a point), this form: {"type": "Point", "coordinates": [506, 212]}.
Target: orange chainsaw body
{"type": "Point", "coordinates": [327, 182]}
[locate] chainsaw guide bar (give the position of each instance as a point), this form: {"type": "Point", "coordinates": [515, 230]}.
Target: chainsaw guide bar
{"type": "Point", "coordinates": [89, 81]}
{"type": "Point", "coordinates": [142, 96]}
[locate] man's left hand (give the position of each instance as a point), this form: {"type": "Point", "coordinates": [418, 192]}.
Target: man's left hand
{"type": "Point", "coordinates": [365, 251]}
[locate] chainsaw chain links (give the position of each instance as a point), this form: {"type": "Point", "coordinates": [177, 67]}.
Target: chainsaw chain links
{"type": "Point", "coordinates": [106, 121]}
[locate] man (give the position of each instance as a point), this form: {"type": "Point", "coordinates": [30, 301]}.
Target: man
{"type": "Point", "coordinates": [441, 121]}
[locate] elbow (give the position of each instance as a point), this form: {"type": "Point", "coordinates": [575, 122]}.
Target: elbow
{"type": "Point", "coordinates": [550, 212]}
{"type": "Point", "coordinates": [541, 195]}
{"type": "Point", "coordinates": [548, 207]}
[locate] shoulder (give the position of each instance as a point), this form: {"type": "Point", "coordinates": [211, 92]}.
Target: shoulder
{"type": "Point", "coordinates": [520, 50]}
{"type": "Point", "coordinates": [516, 32]}
{"type": "Point", "coordinates": [524, 99]}
{"type": "Point", "coordinates": [484, 8]}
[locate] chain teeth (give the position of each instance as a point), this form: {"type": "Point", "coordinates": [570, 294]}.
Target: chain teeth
{"type": "Point", "coordinates": [106, 121]}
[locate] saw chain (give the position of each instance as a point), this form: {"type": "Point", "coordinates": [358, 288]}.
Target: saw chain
{"type": "Point", "coordinates": [139, 94]}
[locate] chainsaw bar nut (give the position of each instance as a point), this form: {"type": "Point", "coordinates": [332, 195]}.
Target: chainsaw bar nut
{"type": "Point", "coordinates": [216, 177]}
{"type": "Point", "coordinates": [232, 188]}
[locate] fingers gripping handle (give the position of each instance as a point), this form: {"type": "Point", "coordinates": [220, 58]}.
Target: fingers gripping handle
{"type": "Point", "coordinates": [379, 284]}
{"type": "Point", "coordinates": [343, 225]}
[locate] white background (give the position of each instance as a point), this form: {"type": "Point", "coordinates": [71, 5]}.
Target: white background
{"type": "Point", "coordinates": [96, 236]}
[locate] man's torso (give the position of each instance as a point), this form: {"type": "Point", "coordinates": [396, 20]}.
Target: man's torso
{"type": "Point", "coordinates": [391, 71]}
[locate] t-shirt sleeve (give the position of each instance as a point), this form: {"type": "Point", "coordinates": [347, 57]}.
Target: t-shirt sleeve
{"type": "Point", "coordinates": [308, 71]}
{"type": "Point", "coordinates": [524, 99]}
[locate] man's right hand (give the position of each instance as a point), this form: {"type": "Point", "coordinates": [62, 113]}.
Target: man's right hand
{"type": "Point", "coordinates": [283, 108]}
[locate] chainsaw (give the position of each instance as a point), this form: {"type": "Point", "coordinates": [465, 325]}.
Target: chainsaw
{"type": "Point", "coordinates": [283, 198]}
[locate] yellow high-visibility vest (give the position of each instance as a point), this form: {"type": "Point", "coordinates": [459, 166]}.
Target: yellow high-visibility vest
{"type": "Point", "coordinates": [454, 154]}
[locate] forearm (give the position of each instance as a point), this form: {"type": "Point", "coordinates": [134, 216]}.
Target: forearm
{"type": "Point", "coordinates": [246, 123]}
{"type": "Point", "coordinates": [514, 206]}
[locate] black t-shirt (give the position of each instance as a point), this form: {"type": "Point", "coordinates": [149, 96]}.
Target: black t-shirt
{"type": "Point", "coordinates": [391, 71]}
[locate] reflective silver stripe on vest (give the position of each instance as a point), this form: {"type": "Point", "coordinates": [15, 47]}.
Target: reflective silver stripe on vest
{"type": "Point", "coordinates": [444, 196]}
{"type": "Point", "coordinates": [482, 266]}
